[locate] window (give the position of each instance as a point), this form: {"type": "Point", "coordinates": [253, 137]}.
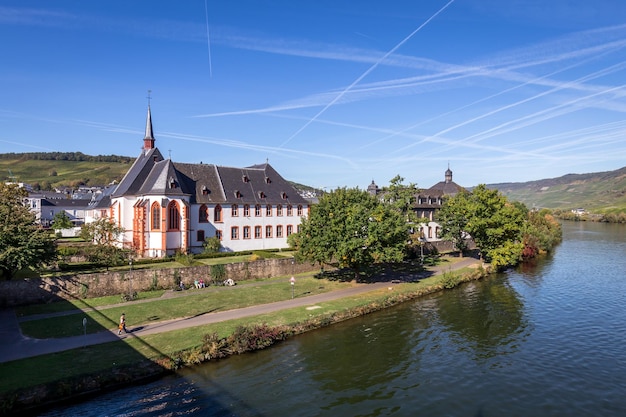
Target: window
{"type": "Point", "coordinates": [246, 232]}
{"type": "Point", "coordinates": [268, 210]}
{"type": "Point", "coordinates": [289, 230]}
{"type": "Point", "coordinates": [219, 234]}
{"type": "Point", "coordinates": [298, 228]}
{"type": "Point", "coordinates": [257, 210]}
{"type": "Point", "coordinates": [173, 216]}
{"type": "Point", "coordinates": [430, 232]}
{"type": "Point", "coordinates": [217, 214]}
{"type": "Point", "coordinates": [283, 195]}
{"type": "Point", "coordinates": [300, 210]}
{"type": "Point", "coordinates": [245, 178]}
{"type": "Point", "coordinates": [155, 213]}
{"type": "Point", "coordinates": [257, 232]}
{"type": "Point", "coordinates": [246, 210]}
{"type": "Point", "coordinates": [234, 210]}
{"type": "Point", "coordinates": [279, 231]}
{"type": "Point", "coordinates": [203, 214]}
{"type": "Point", "coordinates": [205, 191]}
{"type": "Point", "coordinates": [289, 210]}
{"type": "Point", "coordinates": [234, 232]}
{"type": "Point", "coordinates": [279, 210]}
{"type": "Point", "coordinates": [200, 235]}
{"type": "Point", "coordinates": [268, 231]}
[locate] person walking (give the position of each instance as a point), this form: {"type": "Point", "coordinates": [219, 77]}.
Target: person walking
{"type": "Point", "coordinates": [122, 324]}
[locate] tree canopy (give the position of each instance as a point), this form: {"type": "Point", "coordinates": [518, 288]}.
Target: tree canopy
{"type": "Point", "coordinates": [103, 233]}
{"type": "Point", "coordinates": [62, 221]}
{"type": "Point", "coordinates": [505, 232]}
{"type": "Point", "coordinates": [23, 243]}
{"type": "Point", "coordinates": [349, 228]}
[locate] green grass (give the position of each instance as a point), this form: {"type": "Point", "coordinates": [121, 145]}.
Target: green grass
{"type": "Point", "coordinates": [30, 372]}
{"type": "Point", "coordinates": [194, 302]}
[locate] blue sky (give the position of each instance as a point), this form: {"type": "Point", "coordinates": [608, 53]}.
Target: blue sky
{"type": "Point", "coordinates": [332, 93]}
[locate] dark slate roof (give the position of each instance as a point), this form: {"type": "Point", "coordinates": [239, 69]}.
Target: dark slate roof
{"type": "Point", "coordinates": [257, 184]}
{"type": "Point", "coordinates": [69, 203]}
{"type": "Point", "coordinates": [138, 173]}
{"type": "Point", "coordinates": [207, 183]}
{"type": "Point", "coordinates": [444, 188]}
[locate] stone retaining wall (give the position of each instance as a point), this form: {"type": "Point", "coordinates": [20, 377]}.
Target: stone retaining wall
{"type": "Point", "coordinates": [44, 290]}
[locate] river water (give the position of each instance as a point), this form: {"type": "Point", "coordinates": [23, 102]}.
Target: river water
{"type": "Point", "coordinates": [545, 339]}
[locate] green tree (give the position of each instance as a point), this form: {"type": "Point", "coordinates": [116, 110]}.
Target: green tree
{"type": "Point", "coordinates": [453, 217]}
{"type": "Point", "coordinates": [350, 228]}
{"type": "Point", "coordinates": [541, 233]}
{"type": "Point", "coordinates": [61, 221]}
{"type": "Point", "coordinates": [212, 244]}
{"type": "Point", "coordinates": [23, 243]}
{"type": "Point", "coordinates": [496, 226]}
{"type": "Point", "coordinates": [103, 233]}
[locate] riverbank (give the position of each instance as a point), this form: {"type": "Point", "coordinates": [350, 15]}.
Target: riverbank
{"type": "Point", "coordinates": [113, 365]}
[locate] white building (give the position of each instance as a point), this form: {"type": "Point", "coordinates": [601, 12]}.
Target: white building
{"type": "Point", "coordinates": [165, 207]}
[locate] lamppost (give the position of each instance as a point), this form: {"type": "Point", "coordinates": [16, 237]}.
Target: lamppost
{"type": "Point", "coordinates": [293, 286]}
{"type": "Point", "coordinates": [130, 277]}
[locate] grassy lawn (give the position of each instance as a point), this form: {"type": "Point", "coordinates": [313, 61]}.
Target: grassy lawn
{"type": "Point", "coordinates": [182, 304]}
{"type": "Point", "coordinates": [47, 368]}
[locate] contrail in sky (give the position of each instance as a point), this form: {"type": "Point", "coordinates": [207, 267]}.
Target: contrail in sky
{"type": "Point", "coordinates": [366, 73]}
{"type": "Point", "coordinates": [208, 38]}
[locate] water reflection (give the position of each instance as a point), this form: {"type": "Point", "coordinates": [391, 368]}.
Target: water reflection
{"type": "Point", "coordinates": [487, 315]}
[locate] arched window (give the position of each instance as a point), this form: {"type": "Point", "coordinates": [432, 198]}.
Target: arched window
{"type": "Point", "coordinates": [300, 210]}
{"type": "Point", "coordinates": [289, 210]}
{"type": "Point", "coordinates": [246, 210]}
{"type": "Point", "coordinates": [268, 210]}
{"type": "Point", "coordinates": [279, 210]}
{"type": "Point", "coordinates": [217, 214]}
{"type": "Point", "coordinates": [155, 214]}
{"type": "Point", "coordinates": [203, 214]}
{"type": "Point", "coordinates": [234, 210]}
{"type": "Point", "coordinates": [173, 216]}
{"type": "Point", "coordinates": [257, 210]}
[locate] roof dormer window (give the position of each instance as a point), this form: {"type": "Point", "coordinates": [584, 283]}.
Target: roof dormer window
{"type": "Point", "coordinates": [205, 191]}
{"type": "Point", "coordinates": [283, 195]}
{"type": "Point", "coordinates": [172, 182]}
{"type": "Point", "coordinates": [261, 194]}
{"type": "Point", "coordinates": [268, 180]}
{"type": "Point", "coordinates": [245, 178]}
{"type": "Point", "coordinates": [237, 194]}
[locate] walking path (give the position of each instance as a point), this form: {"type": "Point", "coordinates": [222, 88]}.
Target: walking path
{"type": "Point", "coordinates": [15, 346]}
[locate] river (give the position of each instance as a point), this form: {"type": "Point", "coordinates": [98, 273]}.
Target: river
{"type": "Point", "coordinates": [545, 339]}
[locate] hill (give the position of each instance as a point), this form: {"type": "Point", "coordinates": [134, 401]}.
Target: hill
{"type": "Point", "coordinates": [599, 192]}
{"type": "Point", "coordinates": [47, 170]}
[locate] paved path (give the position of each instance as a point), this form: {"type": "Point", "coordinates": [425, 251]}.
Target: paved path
{"type": "Point", "coordinates": [15, 346]}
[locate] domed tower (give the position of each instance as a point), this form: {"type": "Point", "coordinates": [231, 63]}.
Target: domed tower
{"type": "Point", "coordinates": [448, 177]}
{"type": "Point", "coordinates": [372, 188]}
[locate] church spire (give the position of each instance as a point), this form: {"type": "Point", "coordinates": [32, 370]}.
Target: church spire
{"type": "Point", "coordinates": [148, 140]}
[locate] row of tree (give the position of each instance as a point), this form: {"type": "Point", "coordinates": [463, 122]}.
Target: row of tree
{"type": "Point", "coordinates": [350, 228]}
{"type": "Point", "coordinates": [65, 156]}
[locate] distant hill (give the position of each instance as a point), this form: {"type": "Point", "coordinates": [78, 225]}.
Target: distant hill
{"type": "Point", "coordinates": [600, 192]}
{"type": "Point", "coordinates": [47, 170]}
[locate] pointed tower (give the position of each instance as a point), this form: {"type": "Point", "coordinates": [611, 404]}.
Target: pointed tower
{"type": "Point", "coordinates": [148, 140]}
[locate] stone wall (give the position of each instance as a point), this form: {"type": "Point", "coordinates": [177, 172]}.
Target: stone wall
{"type": "Point", "coordinates": [44, 290]}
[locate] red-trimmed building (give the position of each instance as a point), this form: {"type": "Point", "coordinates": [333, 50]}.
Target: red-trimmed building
{"type": "Point", "coordinates": [166, 207]}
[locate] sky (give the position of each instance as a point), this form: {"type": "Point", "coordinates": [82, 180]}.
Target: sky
{"type": "Point", "coordinates": [332, 93]}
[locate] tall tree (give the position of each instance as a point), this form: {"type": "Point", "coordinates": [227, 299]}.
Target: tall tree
{"type": "Point", "coordinates": [453, 217]}
{"type": "Point", "coordinates": [350, 228]}
{"type": "Point", "coordinates": [23, 243]}
{"type": "Point", "coordinates": [103, 233]}
{"type": "Point", "coordinates": [496, 226]}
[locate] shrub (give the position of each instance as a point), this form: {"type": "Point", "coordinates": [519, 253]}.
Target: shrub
{"type": "Point", "coordinates": [449, 280]}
